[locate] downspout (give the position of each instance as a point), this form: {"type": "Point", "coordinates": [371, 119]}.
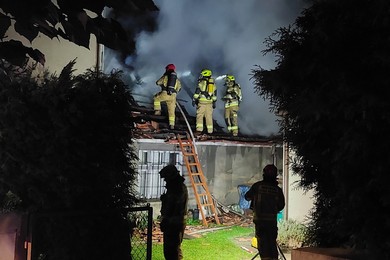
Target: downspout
{"type": "Point", "coordinates": [99, 57]}
{"type": "Point", "coordinates": [286, 174]}
{"type": "Point", "coordinates": [286, 166]}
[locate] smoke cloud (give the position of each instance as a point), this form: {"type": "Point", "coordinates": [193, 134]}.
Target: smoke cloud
{"type": "Point", "coordinates": [225, 36]}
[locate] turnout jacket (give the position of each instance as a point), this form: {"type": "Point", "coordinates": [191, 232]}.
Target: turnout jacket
{"type": "Point", "coordinates": [233, 94]}
{"type": "Point", "coordinates": [169, 82]}
{"type": "Point", "coordinates": [206, 91]}
{"type": "Point", "coordinates": [174, 206]}
{"type": "Point", "coordinates": [267, 200]}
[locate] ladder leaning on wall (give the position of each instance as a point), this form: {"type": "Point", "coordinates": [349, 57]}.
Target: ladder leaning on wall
{"type": "Point", "coordinates": [203, 196]}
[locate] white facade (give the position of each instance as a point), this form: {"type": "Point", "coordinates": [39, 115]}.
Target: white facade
{"type": "Point", "coordinates": [298, 202]}
{"type": "Point", "coordinates": [59, 52]}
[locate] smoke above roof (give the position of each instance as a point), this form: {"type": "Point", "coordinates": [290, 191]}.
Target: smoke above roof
{"type": "Point", "coordinates": [224, 36]}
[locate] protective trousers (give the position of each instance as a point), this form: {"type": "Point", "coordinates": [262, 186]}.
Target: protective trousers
{"type": "Point", "coordinates": [172, 244]}
{"type": "Point", "coordinates": [171, 105]}
{"type": "Point", "coordinates": [231, 119]}
{"type": "Point", "coordinates": [266, 234]}
{"type": "Point", "coordinates": [204, 111]}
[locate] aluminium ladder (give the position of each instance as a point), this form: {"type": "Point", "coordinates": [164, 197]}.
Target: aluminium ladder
{"type": "Point", "coordinates": [203, 197]}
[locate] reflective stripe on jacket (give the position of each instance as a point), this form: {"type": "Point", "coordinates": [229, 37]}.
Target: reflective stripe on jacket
{"type": "Point", "coordinates": [231, 103]}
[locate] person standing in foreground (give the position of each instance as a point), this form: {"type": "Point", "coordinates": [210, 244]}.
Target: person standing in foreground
{"type": "Point", "coordinates": [173, 212]}
{"type": "Point", "coordinates": [267, 199]}
{"type": "Point", "coordinates": [204, 98]}
{"type": "Point", "coordinates": [170, 86]}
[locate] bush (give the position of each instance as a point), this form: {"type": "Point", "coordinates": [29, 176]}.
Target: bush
{"type": "Point", "coordinates": [67, 158]}
{"type": "Point", "coordinates": [292, 234]}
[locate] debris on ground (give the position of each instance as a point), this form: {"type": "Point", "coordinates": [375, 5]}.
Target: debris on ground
{"type": "Point", "coordinates": [227, 219]}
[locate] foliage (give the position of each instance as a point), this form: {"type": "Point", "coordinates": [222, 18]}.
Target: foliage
{"type": "Point", "coordinates": [9, 202]}
{"type": "Point", "coordinates": [330, 84]}
{"type": "Point", "coordinates": [213, 245]}
{"type": "Point", "coordinates": [74, 21]}
{"type": "Point", "coordinates": [66, 157]}
{"type": "Point", "coordinates": [193, 222]}
{"type": "Point", "coordinates": [291, 233]}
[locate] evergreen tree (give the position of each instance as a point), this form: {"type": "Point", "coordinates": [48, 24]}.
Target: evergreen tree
{"type": "Point", "coordinates": [330, 84]}
{"type": "Point", "coordinates": [67, 158]}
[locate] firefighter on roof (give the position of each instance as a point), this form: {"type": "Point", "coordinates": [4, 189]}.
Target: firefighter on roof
{"type": "Point", "coordinates": [232, 98]}
{"type": "Point", "coordinates": [204, 98]}
{"type": "Point", "coordinates": [170, 86]}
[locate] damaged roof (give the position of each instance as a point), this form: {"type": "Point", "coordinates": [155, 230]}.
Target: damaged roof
{"type": "Point", "coordinates": [151, 126]}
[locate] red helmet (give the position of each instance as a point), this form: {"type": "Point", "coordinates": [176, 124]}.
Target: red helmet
{"type": "Point", "coordinates": [170, 67]}
{"type": "Point", "coordinates": [271, 171]}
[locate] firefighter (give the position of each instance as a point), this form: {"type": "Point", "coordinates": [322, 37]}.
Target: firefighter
{"type": "Point", "coordinates": [173, 212]}
{"type": "Point", "coordinates": [232, 98]}
{"type": "Point", "coordinates": [205, 98]}
{"type": "Point", "coordinates": [267, 199]}
{"type": "Point", "coordinates": [170, 86]}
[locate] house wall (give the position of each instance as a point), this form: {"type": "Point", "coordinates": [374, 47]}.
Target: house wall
{"type": "Point", "coordinates": [299, 202]}
{"type": "Point", "coordinates": [59, 52]}
{"type": "Point", "coordinates": [227, 165]}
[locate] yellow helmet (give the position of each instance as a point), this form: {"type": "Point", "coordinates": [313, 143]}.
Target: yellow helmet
{"type": "Point", "coordinates": [206, 73]}
{"type": "Point", "coordinates": [230, 78]}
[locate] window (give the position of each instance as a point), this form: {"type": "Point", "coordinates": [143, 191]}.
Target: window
{"type": "Point", "coordinates": [150, 185]}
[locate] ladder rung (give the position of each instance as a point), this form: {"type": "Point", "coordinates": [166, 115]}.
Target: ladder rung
{"type": "Point", "coordinates": [193, 164]}
{"type": "Point", "coordinates": [189, 153]}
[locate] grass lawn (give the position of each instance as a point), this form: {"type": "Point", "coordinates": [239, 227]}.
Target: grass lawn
{"type": "Point", "coordinates": [216, 245]}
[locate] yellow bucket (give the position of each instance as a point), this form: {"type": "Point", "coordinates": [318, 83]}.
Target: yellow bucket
{"type": "Point", "coordinates": [254, 242]}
